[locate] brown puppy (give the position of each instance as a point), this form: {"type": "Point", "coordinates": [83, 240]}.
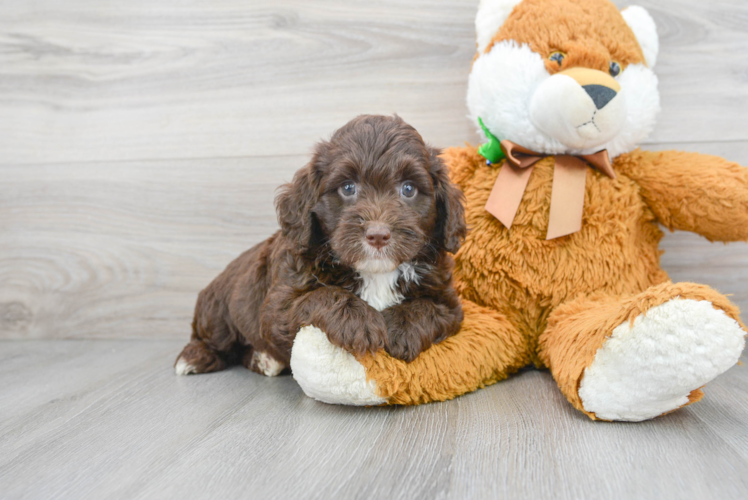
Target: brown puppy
{"type": "Point", "coordinates": [362, 254]}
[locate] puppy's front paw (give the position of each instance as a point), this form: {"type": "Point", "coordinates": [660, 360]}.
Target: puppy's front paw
{"type": "Point", "coordinates": [406, 337]}
{"type": "Point", "coordinates": [403, 345]}
{"type": "Point", "coordinates": [358, 328]}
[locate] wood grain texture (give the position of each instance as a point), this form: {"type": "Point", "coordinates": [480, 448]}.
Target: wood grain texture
{"type": "Point", "coordinates": [95, 80]}
{"type": "Point", "coordinates": [108, 419]}
{"type": "Point", "coordinates": [120, 250]}
{"type": "Point", "coordinates": [130, 80]}
{"type": "Point", "coordinates": [141, 145]}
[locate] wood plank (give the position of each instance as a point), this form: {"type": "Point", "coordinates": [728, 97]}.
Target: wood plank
{"type": "Point", "coordinates": [108, 419]}
{"type": "Point", "coordinates": [728, 403]}
{"type": "Point", "coordinates": [120, 250]}
{"type": "Point", "coordinates": [130, 80]}
{"type": "Point", "coordinates": [526, 441]}
{"type": "Point", "coordinates": [114, 430]}
{"type": "Point", "coordinates": [701, 49]}
{"type": "Point", "coordinates": [104, 235]}
{"type": "Point", "coordinates": [42, 382]}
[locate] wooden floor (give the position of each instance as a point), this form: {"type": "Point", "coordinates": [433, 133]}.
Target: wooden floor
{"type": "Point", "coordinates": [140, 146]}
{"type": "Point", "coordinates": [108, 419]}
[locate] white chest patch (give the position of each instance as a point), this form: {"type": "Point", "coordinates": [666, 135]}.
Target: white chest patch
{"type": "Point", "coordinates": [379, 290]}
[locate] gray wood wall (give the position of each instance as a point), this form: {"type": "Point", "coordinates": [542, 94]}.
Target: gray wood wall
{"type": "Point", "coordinates": [141, 142]}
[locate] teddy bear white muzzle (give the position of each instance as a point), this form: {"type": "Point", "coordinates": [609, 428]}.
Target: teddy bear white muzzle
{"type": "Point", "coordinates": [581, 108]}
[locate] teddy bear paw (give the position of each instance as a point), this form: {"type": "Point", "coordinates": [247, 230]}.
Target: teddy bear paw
{"type": "Point", "coordinates": [650, 367]}
{"type": "Point", "coordinates": [329, 373]}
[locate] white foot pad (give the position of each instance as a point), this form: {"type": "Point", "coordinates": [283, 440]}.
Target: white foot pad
{"type": "Point", "coordinates": [328, 373]}
{"type": "Point", "coordinates": [183, 368]}
{"type": "Point", "coordinates": [650, 368]}
{"type": "Point", "coordinates": [267, 364]}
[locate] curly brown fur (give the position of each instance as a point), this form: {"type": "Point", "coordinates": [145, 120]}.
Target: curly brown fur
{"type": "Point", "coordinates": [371, 217]}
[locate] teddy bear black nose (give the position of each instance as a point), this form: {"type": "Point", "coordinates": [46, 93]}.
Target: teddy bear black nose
{"type": "Point", "coordinates": [600, 94]}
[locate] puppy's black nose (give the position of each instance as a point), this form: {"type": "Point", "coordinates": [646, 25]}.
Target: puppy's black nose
{"type": "Point", "coordinates": [600, 94]}
{"type": "Point", "coordinates": [378, 235]}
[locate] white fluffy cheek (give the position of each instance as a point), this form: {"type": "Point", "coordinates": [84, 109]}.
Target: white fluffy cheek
{"type": "Point", "coordinates": [611, 119]}
{"type": "Point", "coordinates": [639, 88]}
{"type": "Point", "coordinates": [563, 110]}
{"type": "Point", "coordinates": [500, 87]}
{"type": "Point", "coordinates": [558, 107]}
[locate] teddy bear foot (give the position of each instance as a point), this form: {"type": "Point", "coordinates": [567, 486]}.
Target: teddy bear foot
{"type": "Point", "coordinates": [652, 366]}
{"type": "Point", "coordinates": [329, 373]}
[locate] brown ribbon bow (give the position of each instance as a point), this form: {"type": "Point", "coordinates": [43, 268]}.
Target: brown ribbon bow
{"type": "Point", "coordinates": [567, 195]}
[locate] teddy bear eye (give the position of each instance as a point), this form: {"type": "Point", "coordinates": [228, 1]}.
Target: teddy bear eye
{"type": "Point", "coordinates": [557, 56]}
{"type": "Point", "coordinates": [615, 68]}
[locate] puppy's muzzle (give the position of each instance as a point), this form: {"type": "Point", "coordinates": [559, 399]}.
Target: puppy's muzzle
{"type": "Point", "coordinates": [378, 235]}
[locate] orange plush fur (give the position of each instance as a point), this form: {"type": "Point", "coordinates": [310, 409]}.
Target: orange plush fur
{"type": "Point", "coordinates": [553, 303]}
{"type": "Point", "coordinates": [589, 32]}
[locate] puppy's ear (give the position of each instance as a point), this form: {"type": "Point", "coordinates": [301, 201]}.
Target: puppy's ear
{"type": "Point", "coordinates": [450, 224]}
{"type": "Point", "coordinates": [295, 202]}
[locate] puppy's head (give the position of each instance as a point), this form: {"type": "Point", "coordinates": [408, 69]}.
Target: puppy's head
{"type": "Point", "coordinates": [374, 196]}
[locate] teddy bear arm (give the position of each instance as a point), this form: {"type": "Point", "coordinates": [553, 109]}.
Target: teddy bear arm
{"type": "Point", "coordinates": [486, 349]}
{"type": "Point", "coordinates": [694, 192]}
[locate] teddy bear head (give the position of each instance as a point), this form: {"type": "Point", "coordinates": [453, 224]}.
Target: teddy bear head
{"type": "Point", "coordinates": [565, 76]}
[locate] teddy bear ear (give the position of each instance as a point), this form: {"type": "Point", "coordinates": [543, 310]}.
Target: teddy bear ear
{"type": "Point", "coordinates": [645, 30]}
{"type": "Point", "coordinates": [491, 16]}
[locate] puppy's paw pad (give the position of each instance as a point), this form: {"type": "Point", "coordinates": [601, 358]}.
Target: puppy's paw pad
{"type": "Point", "coordinates": [182, 367]}
{"type": "Point", "coordinates": [265, 364]}
{"type": "Point", "coordinates": [650, 368]}
{"type": "Point", "coordinates": [329, 373]}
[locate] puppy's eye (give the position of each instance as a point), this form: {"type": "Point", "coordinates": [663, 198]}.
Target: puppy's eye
{"type": "Point", "coordinates": [348, 189]}
{"type": "Point", "coordinates": [557, 56]}
{"type": "Point", "coordinates": [408, 190]}
{"type": "Point", "coordinates": [615, 68]}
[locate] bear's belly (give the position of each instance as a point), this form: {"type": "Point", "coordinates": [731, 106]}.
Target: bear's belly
{"type": "Point", "coordinates": [615, 252]}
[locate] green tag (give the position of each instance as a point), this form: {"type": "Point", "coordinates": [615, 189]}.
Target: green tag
{"type": "Point", "coordinates": [491, 150]}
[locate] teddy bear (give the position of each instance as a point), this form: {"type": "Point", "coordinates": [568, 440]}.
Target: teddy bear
{"type": "Point", "coordinates": [561, 265]}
